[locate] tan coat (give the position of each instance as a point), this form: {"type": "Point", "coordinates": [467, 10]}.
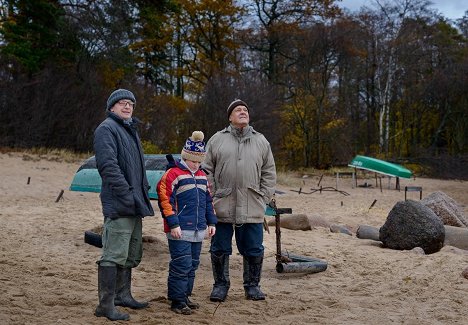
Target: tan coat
{"type": "Point", "coordinates": [242, 173]}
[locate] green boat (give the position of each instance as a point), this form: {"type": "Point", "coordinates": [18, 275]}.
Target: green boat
{"type": "Point", "coordinates": [87, 178]}
{"type": "Point", "coordinates": [380, 166]}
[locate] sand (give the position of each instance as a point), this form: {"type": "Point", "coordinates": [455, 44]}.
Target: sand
{"type": "Point", "coordinates": [48, 274]}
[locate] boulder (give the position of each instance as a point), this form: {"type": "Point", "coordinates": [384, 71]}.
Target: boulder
{"type": "Point", "coordinates": [446, 209]}
{"type": "Point", "coordinates": [411, 224]}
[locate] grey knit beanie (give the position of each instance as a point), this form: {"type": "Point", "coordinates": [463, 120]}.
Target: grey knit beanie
{"type": "Point", "coordinates": [234, 104]}
{"type": "Point", "coordinates": [118, 95]}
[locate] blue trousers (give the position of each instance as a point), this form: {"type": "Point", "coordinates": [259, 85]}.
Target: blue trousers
{"type": "Point", "coordinates": [249, 239]}
{"type": "Point", "coordinates": [185, 259]}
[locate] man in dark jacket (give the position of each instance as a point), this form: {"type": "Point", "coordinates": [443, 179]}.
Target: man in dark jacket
{"type": "Point", "coordinates": [125, 201]}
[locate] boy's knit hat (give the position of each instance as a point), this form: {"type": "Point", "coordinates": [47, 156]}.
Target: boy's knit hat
{"type": "Point", "coordinates": [118, 95]}
{"type": "Point", "coordinates": [194, 148]}
{"type": "Point", "coordinates": [234, 104]}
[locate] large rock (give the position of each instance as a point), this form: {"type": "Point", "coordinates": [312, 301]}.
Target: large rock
{"type": "Point", "coordinates": [411, 224]}
{"type": "Point", "coordinates": [446, 208]}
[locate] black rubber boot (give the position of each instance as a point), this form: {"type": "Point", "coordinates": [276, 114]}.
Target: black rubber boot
{"type": "Point", "coordinates": [123, 295]}
{"type": "Point", "coordinates": [252, 274]}
{"type": "Point", "coordinates": [106, 290]}
{"type": "Point", "coordinates": [220, 266]}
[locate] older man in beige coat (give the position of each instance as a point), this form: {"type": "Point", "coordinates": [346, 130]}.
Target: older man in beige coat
{"type": "Point", "coordinates": [242, 172]}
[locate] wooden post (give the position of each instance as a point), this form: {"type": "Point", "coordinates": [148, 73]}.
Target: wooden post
{"type": "Point", "coordinates": [373, 203]}
{"type": "Point", "coordinates": [59, 196]}
{"type": "Point", "coordinates": [320, 180]}
{"type": "Point", "coordinates": [29, 180]}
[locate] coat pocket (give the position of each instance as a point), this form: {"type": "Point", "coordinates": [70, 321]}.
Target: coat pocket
{"type": "Point", "coordinates": [222, 192]}
{"type": "Point", "coordinates": [255, 202]}
{"type": "Point", "coordinates": [124, 203]}
{"type": "Point", "coordinates": [221, 201]}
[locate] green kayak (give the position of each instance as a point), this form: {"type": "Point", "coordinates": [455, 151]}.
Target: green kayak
{"type": "Point", "coordinates": [380, 166]}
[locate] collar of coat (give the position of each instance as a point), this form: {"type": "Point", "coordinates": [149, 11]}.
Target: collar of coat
{"type": "Point", "coordinates": [248, 130]}
{"type": "Point", "coordinates": [132, 123]}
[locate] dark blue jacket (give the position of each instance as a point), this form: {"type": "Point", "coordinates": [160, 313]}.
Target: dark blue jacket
{"type": "Point", "coordinates": [120, 162]}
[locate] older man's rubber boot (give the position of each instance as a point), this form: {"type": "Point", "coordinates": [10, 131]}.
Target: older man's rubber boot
{"type": "Point", "coordinates": [106, 290]}
{"type": "Point", "coordinates": [252, 274]}
{"type": "Point", "coordinates": [220, 266]}
{"type": "Point", "coordinates": [123, 293]}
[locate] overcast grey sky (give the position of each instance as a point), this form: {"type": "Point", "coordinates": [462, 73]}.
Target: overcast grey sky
{"type": "Point", "coordinates": [451, 9]}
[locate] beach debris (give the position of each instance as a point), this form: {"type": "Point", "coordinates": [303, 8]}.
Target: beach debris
{"type": "Point", "coordinates": [456, 236]}
{"type": "Point", "coordinates": [446, 209]}
{"type": "Point", "coordinates": [340, 229]}
{"type": "Point", "coordinates": [289, 263]}
{"type": "Point", "coordinates": [411, 224]}
{"type": "Point", "coordinates": [29, 180]}
{"type": "Point", "coordinates": [320, 180]}
{"type": "Point", "coordinates": [301, 222]}
{"type": "Point", "coordinates": [320, 190]}
{"type": "Point", "coordinates": [465, 273]}
{"type": "Point", "coordinates": [368, 232]}
{"type": "Point", "coordinates": [93, 239]}
{"type": "Point", "coordinates": [418, 251]}
{"type": "Point", "coordinates": [373, 203]}
{"type": "Point", "coordinates": [60, 196]}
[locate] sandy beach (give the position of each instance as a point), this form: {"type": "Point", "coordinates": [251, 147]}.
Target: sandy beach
{"type": "Point", "coordinates": [48, 274]}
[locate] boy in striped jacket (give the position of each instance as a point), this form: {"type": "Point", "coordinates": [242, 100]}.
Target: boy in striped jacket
{"type": "Point", "coordinates": [187, 210]}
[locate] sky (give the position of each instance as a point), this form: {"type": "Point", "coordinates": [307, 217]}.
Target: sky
{"type": "Point", "coordinates": [451, 9]}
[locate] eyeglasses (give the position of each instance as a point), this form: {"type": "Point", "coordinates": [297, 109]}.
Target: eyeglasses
{"type": "Point", "coordinates": [124, 103]}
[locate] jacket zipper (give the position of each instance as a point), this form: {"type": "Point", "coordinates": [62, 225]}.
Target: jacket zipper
{"type": "Point", "coordinates": [198, 200]}
{"type": "Point", "coordinates": [178, 214]}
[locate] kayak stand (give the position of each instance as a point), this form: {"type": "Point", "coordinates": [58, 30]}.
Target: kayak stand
{"type": "Point", "coordinates": [289, 263]}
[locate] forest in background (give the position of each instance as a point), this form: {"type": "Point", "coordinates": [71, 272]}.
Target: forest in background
{"type": "Point", "coordinates": [389, 81]}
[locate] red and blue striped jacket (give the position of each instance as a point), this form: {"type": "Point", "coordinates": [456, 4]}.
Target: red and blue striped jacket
{"type": "Point", "coordinates": [184, 199]}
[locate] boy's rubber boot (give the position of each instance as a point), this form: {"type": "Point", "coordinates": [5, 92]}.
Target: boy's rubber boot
{"type": "Point", "coordinates": [123, 294]}
{"type": "Point", "coordinates": [252, 274]}
{"type": "Point", "coordinates": [106, 290]}
{"type": "Point", "coordinates": [220, 266]}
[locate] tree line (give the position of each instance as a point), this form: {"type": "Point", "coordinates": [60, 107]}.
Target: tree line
{"type": "Point", "coordinates": [322, 84]}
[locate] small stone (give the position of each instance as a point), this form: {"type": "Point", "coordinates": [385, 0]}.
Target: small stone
{"type": "Point", "coordinates": [465, 273]}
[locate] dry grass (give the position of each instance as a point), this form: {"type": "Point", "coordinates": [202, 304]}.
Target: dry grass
{"type": "Point", "coordinates": [49, 154]}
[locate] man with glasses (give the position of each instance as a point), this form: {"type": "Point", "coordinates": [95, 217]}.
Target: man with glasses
{"type": "Point", "coordinates": [125, 201]}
